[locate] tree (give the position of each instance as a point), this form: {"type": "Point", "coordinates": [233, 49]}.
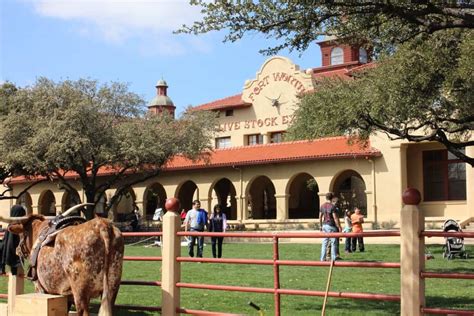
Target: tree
{"type": "Point", "coordinates": [8, 91]}
{"type": "Point", "coordinates": [297, 24]}
{"type": "Point", "coordinates": [85, 129]}
{"type": "Point", "coordinates": [421, 88]}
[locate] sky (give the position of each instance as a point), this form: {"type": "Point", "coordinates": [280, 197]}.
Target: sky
{"type": "Point", "coordinates": [129, 41]}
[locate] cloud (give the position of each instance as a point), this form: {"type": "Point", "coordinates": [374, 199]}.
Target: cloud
{"type": "Point", "coordinates": [118, 21]}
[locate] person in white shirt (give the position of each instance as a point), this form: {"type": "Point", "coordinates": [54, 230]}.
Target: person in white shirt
{"type": "Point", "coordinates": [196, 221]}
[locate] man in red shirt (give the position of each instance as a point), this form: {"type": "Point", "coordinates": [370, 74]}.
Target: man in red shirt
{"type": "Point", "coordinates": [329, 223]}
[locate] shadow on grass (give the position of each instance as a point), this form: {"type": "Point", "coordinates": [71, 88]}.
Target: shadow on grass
{"type": "Point", "coordinates": [449, 302]}
{"type": "Point", "coordinates": [348, 305]}
{"type": "Point", "coordinates": [123, 312]}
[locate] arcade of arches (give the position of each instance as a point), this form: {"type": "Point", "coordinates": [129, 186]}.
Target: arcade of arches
{"type": "Point", "coordinates": [261, 200]}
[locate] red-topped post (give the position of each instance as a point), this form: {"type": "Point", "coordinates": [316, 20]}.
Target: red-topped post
{"type": "Point", "coordinates": [412, 254]}
{"type": "Point", "coordinates": [171, 249]}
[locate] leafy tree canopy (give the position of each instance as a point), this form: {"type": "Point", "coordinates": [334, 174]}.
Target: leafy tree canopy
{"type": "Point", "coordinates": [83, 127]}
{"type": "Point", "coordinates": [421, 89]}
{"type": "Point", "coordinates": [297, 24]}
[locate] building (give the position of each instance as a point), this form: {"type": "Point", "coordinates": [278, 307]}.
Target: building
{"type": "Point", "coordinates": [261, 179]}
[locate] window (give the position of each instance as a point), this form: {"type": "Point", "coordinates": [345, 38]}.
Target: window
{"type": "Point", "coordinates": [222, 142]}
{"type": "Point", "coordinates": [276, 137]}
{"type": "Point", "coordinates": [362, 55]}
{"type": "Point", "coordinates": [444, 176]}
{"type": "Point", "coordinates": [229, 112]}
{"type": "Point", "coordinates": [254, 139]}
{"type": "Point", "coordinates": [337, 56]}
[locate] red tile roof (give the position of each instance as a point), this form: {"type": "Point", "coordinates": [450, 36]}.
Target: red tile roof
{"type": "Point", "coordinates": [234, 101]}
{"type": "Point", "coordinates": [320, 149]}
{"type": "Point", "coordinates": [362, 68]}
{"type": "Point", "coordinates": [343, 70]}
{"type": "Point", "coordinates": [70, 175]}
{"type": "Point", "coordinates": [331, 68]}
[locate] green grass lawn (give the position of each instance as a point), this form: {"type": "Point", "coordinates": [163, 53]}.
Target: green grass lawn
{"type": "Point", "coordinates": [441, 293]}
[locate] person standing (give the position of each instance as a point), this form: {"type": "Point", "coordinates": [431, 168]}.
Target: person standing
{"type": "Point", "coordinates": [217, 224]}
{"type": "Point", "coordinates": [10, 242]}
{"type": "Point", "coordinates": [357, 219]}
{"type": "Point", "coordinates": [158, 215]}
{"type": "Point", "coordinates": [196, 221]}
{"type": "Point", "coordinates": [182, 215]}
{"type": "Point", "coordinates": [347, 229]}
{"type": "Point", "coordinates": [329, 223]}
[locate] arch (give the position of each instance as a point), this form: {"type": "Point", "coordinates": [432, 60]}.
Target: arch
{"type": "Point", "coordinates": [47, 203]}
{"type": "Point", "coordinates": [350, 188]}
{"type": "Point", "coordinates": [226, 196]}
{"type": "Point", "coordinates": [125, 206]}
{"type": "Point", "coordinates": [154, 197]}
{"type": "Point", "coordinates": [69, 199]}
{"type": "Point", "coordinates": [26, 201]}
{"type": "Point", "coordinates": [303, 196]}
{"type": "Point", "coordinates": [337, 56]}
{"type": "Point", "coordinates": [363, 58]}
{"type": "Point", "coordinates": [260, 196]}
{"type": "Point", "coordinates": [186, 193]}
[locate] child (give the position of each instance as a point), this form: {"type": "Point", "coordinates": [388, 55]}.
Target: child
{"type": "Point", "coordinates": [182, 215]}
{"type": "Point", "coordinates": [347, 229]}
{"type": "Point", "coordinates": [357, 219]}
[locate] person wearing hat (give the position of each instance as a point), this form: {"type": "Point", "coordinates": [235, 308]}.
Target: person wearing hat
{"type": "Point", "coordinates": [10, 243]}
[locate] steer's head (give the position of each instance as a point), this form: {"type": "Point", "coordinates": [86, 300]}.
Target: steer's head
{"type": "Point", "coordinates": [28, 229]}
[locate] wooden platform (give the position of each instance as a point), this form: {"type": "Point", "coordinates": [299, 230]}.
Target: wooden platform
{"type": "Point", "coordinates": [34, 304]}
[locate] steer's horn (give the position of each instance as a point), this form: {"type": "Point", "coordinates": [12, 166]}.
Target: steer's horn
{"type": "Point", "coordinates": [10, 220]}
{"type": "Point", "coordinates": [75, 207]}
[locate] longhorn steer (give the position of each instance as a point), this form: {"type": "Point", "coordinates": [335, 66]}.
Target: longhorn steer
{"type": "Point", "coordinates": [84, 261]}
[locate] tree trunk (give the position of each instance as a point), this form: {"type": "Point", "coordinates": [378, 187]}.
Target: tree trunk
{"type": "Point", "coordinates": [89, 212]}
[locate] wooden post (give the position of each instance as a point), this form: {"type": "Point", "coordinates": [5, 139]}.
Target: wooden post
{"type": "Point", "coordinates": [16, 285]}
{"type": "Point", "coordinates": [328, 285]}
{"type": "Point", "coordinates": [170, 250]}
{"type": "Point", "coordinates": [412, 255]}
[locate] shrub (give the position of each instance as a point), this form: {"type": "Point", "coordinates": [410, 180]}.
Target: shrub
{"type": "Point", "coordinates": [314, 226]}
{"type": "Point", "coordinates": [389, 225]}
{"type": "Point", "coordinates": [299, 227]}
{"type": "Point", "coordinates": [432, 225]}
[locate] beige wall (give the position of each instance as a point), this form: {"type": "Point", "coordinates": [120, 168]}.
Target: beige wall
{"type": "Point", "coordinates": [278, 79]}
{"type": "Point", "coordinates": [443, 209]}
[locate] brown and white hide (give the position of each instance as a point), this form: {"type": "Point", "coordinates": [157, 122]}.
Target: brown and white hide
{"type": "Point", "coordinates": [84, 261]}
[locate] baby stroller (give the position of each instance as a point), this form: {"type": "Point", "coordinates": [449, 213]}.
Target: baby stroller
{"type": "Point", "coordinates": [454, 245]}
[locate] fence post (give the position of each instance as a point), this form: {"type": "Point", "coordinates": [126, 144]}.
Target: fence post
{"type": "Point", "coordinates": [412, 255]}
{"type": "Point", "coordinates": [276, 275]}
{"type": "Point", "coordinates": [170, 250]}
{"type": "Point", "coordinates": [16, 285]}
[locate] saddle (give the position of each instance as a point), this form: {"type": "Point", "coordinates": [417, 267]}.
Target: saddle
{"type": "Point", "coordinates": [47, 236]}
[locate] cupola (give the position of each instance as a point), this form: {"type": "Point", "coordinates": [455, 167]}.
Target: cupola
{"type": "Point", "coordinates": [334, 54]}
{"type": "Point", "coordinates": [161, 103]}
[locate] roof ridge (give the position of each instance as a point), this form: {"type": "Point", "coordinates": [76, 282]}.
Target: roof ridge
{"type": "Point", "coordinates": [219, 100]}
